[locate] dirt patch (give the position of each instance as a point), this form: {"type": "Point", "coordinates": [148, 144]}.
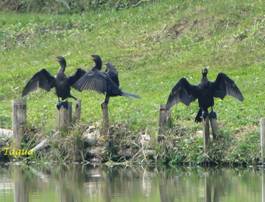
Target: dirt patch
{"type": "Point", "coordinates": [200, 27]}
{"type": "Point", "coordinates": [171, 31]}
{"type": "Point", "coordinates": [179, 28]}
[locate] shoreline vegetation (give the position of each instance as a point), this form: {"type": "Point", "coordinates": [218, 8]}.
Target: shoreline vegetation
{"type": "Point", "coordinates": [124, 147]}
{"type": "Point", "coordinates": [153, 45]}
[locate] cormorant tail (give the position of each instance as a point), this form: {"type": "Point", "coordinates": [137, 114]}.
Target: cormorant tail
{"type": "Point", "coordinates": [130, 95]}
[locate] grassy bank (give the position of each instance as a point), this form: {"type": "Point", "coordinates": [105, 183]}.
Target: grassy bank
{"type": "Point", "coordinates": [66, 6]}
{"type": "Point", "coordinates": [152, 45]}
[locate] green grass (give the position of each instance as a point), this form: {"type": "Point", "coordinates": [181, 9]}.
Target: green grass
{"type": "Point", "coordinates": [142, 43]}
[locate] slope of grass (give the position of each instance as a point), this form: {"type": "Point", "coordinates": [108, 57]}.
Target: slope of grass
{"type": "Point", "coordinates": [66, 6]}
{"type": "Point", "coordinates": [153, 46]}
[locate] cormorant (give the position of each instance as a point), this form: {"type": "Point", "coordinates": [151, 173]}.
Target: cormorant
{"type": "Point", "coordinates": [102, 82]}
{"type": "Point", "coordinates": [205, 92]}
{"type": "Point", "coordinates": [62, 84]}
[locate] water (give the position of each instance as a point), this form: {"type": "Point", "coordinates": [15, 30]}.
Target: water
{"type": "Point", "coordinates": [82, 184]}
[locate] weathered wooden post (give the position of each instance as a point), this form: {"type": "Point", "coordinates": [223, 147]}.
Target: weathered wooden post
{"type": "Point", "coordinates": [64, 116]}
{"type": "Point", "coordinates": [19, 117]}
{"type": "Point", "coordinates": [262, 138]}
{"type": "Point", "coordinates": [206, 133]}
{"type": "Point", "coordinates": [164, 117]}
{"type": "Point", "coordinates": [77, 113]}
{"type": "Point", "coordinates": [105, 122]}
{"type": "Point", "coordinates": [214, 127]}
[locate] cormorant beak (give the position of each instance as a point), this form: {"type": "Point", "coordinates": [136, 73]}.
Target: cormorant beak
{"type": "Point", "coordinates": [59, 58]}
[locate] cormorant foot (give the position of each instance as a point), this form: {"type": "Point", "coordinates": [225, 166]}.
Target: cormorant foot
{"type": "Point", "coordinates": [62, 104]}
{"type": "Point", "coordinates": [212, 115]}
{"type": "Point", "coordinates": [198, 119]}
{"type": "Point", "coordinates": [104, 103]}
{"type": "Point", "coordinates": [58, 106]}
{"type": "Point", "coordinates": [65, 105]}
{"type": "Point", "coordinates": [204, 114]}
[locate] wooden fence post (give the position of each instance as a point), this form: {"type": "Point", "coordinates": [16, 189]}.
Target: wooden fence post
{"type": "Point", "coordinates": [214, 127]}
{"type": "Point", "coordinates": [19, 112]}
{"type": "Point", "coordinates": [206, 133]}
{"type": "Point", "coordinates": [105, 123]}
{"type": "Point", "coordinates": [64, 116]}
{"type": "Point", "coordinates": [77, 112]}
{"type": "Point", "coordinates": [164, 116]}
{"type": "Point", "coordinates": [262, 138]}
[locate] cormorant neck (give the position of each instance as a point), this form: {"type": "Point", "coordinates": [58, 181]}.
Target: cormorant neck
{"type": "Point", "coordinates": [204, 77]}
{"type": "Point", "coordinates": [63, 65]}
{"type": "Point", "coordinates": [98, 64]}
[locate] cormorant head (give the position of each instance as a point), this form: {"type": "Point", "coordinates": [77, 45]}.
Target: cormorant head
{"type": "Point", "coordinates": [109, 65]}
{"type": "Point", "coordinates": [98, 61]}
{"type": "Point", "coordinates": [61, 60]}
{"type": "Point", "coordinates": [205, 72]}
{"type": "Point", "coordinates": [96, 58]}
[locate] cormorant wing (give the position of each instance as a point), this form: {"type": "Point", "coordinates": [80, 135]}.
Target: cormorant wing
{"type": "Point", "coordinates": [74, 78]}
{"type": "Point", "coordinates": [112, 72]}
{"type": "Point", "coordinates": [42, 79]}
{"type": "Point", "coordinates": [183, 92]}
{"type": "Point", "coordinates": [223, 86]}
{"type": "Point", "coordinates": [92, 80]}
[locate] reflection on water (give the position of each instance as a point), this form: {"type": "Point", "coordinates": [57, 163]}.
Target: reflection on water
{"type": "Point", "coordinates": [83, 184]}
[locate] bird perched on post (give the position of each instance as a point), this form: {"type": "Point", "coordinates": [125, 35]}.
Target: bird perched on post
{"type": "Point", "coordinates": [205, 92]}
{"type": "Point", "coordinates": [102, 82]}
{"type": "Point", "coordinates": [62, 84]}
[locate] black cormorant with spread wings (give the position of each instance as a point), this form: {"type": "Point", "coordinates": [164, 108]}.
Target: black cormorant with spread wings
{"type": "Point", "coordinates": [103, 82]}
{"type": "Point", "coordinates": [205, 92]}
{"type": "Point", "coordinates": [62, 84]}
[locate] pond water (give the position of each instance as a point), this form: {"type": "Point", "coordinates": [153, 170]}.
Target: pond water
{"type": "Point", "coordinates": [83, 184]}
